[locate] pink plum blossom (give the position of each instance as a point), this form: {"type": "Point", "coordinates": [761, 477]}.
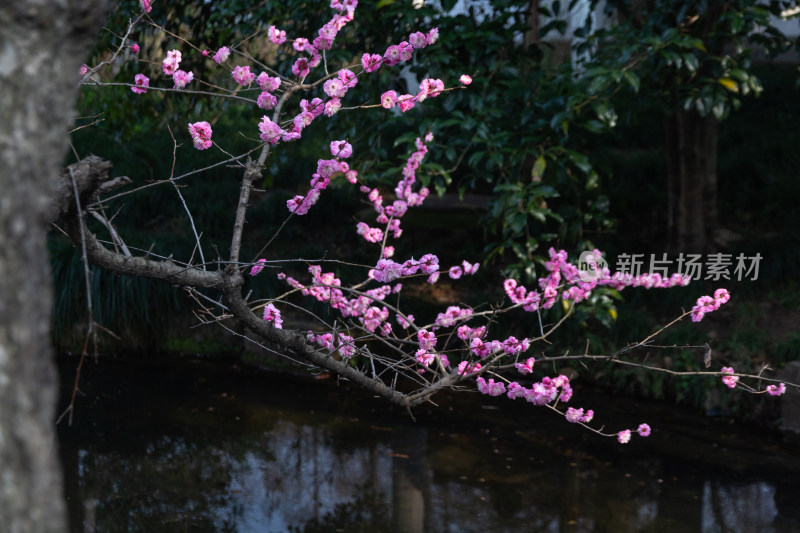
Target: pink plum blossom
{"type": "Point", "coordinates": [267, 82]}
{"type": "Point", "coordinates": [142, 82]}
{"type": "Point", "coordinates": [266, 100]}
{"type": "Point", "coordinates": [243, 76]}
{"type": "Point", "coordinates": [465, 79]}
{"type": "Point", "coordinates": [389, 99]}
{"type": "Point", "coordinates": [387, 271]}
{"type": "Point", "coordinates": [222, 55]}
{"type": "Point", "coordinates": [170, 64]}
{"type": "Point", "coordinates": [270, 131]}
{"type": "Point", "coordinates": [490, 387]}
{"type": "Point", "coordinates": [643, 430]}
{"type": "Point", "coordinates": [181, 78]}
{"type": "Point", "coordinates": [258, 267]}
{"type": "Point", "coordinates": [371, 62]}
{"type": "Point", "coordinates": [341, 149]}
{"type": "Point", "coordinates": [348, 78]}
{"type": "Point", "coordinates": [776, 390]}
{"type": "Point", "coordinates": [332, 107]}
{"type": "Point", "coordinates": [146, 5]}
{"type": "Point", "coordinates": [135, 48]}
{"type": "Point", "coordinates": [624, 437]}
{"type": "Point", "coordinates": [574, 415]}
{"type": "Point", "coordinates": [418, 40]}
{"type": "Point", "coordinates": [272, 314]}
{"type": "Point", "coordinates": [201, 135]}
{"type": "Point", "coordinates": [728, 379]}
{"type": "Point", "coordinates": [301, 68]}
{"type": "Point", "coordinates": [334, 88]}
{"type": "Point", "coordinates": [276, 36]}
{"type": "Point", "coordinates": [526, 367]}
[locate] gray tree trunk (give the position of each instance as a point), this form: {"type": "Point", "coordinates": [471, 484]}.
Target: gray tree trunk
{"type": "Point", "coordinates": [42, 44]}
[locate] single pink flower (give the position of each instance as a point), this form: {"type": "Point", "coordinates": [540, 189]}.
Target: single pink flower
{"type": "Point", "coordinates": [243, 76]}
{"type": "Point", "coordinates": [341, 149]}
{"type": "Point", "coordinates": [332, 107]}
{"type": "Point", "coordinates": [728, 378]}
{"type": "Point", "coordinates": [389, 99]}
{"type": "Point", "coordinates": [267, 82]}
{"type": "Point", "coordinates": [776, 390]}
{"type": "Point", "coordinates": [201, 135]}
{"type": "Point", "coordinates": [146, 5]}
{"type": "Point", "coordinates": [135, 48]}
{"type": "Point", "coordinates": [266, 100]}
{"type": "Point", "coordinates": [222, 55]}
{"type": "Point", "coordinates": [276, 36]}
{"type": "Point", "coordinates": [643, 430]}
{"type": "Point", "coordinates": [624, 436]}
{"type": "Point", "coordinates": [181, 78]}
{"type": "Point", "coordinates": [334, 88]}
{"type": "Point", "coordinates": [301, 68]}
{"type": "Point", "coordinates": [142, 83]}
{"type": "Point", "coordinates": [270, 131]}
{"type": "Point", "coordinates": [272, 314]}
{"type": "Point", "coordinates": [465, 79]}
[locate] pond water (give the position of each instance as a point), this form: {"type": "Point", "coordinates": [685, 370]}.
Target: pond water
{"type": "Point", "coordinates": [209, 446]}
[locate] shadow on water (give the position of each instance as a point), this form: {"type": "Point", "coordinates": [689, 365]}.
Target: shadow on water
{"type": "Point", "coordinates": [188, 445]}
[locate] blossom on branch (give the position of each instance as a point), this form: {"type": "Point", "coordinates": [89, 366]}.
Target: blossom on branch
{"type": "Point", "coordinates": [181, 78]}
{"type": "Point", "coordinates": [201, 135]}
{"type": "Point", "coordinates": [170, 64]}
{"type": "Point", "coordinates": [272, 314]}
{"type": "Point", "coordinates": [222, 55]}
{"type": "Point", "coordinates": [142, 83]}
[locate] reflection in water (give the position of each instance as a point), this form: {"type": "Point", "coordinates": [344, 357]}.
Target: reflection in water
{"type": "Point", "coordinates": [201, 448]}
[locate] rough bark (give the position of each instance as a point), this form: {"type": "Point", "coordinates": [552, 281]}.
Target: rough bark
{"type": "Point", "coordinates": [691, 142]}
{"type": "Point", "coordinates": [42, 44]}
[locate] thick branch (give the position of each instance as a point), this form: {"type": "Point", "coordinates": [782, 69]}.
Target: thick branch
{"type": "Point", "coordinates": [296, 342]}
{"type": "Point", "coordinates": [252, 171]}
{"type": "Point", "coordinates": [91, 178]}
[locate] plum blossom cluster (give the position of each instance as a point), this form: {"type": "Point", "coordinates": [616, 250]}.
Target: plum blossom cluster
{"type": "Point", "coordinates": [731, 380]}
{"type": "Point", "coordinates": [406, 197]}
{"type": "Point", "coordinates": [577, 416]}
{"type": "Point", "coordinates": [299, 205]}
{"type": "Point", "coordinates": [564, 281]}
{"type": "Point", "coordinates": [453, 334]}
{"type": "Point", "coordinates": [707, 304]}
{"type": "Point", "coordinates": [428, 87]}
{"type": "Point", "coordinates": [624, 436]}
{"type": "Point", "coordinates": [345, 10]}
{"type": "Point", "coordinates": [170, 66]}
{"type": "Point", "coordinates": [326, 287]}
{"type": "Point", "coordinates": [332, 343]}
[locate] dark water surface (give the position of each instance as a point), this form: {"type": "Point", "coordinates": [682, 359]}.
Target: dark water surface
{"type": "Point", "coordinates": [188, 445]}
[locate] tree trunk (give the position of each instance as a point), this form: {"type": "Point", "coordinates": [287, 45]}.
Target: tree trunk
{"type": "Point", "coordinates": [691, 142]}
{"type": "Point", "coordinates": [42, 44]}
